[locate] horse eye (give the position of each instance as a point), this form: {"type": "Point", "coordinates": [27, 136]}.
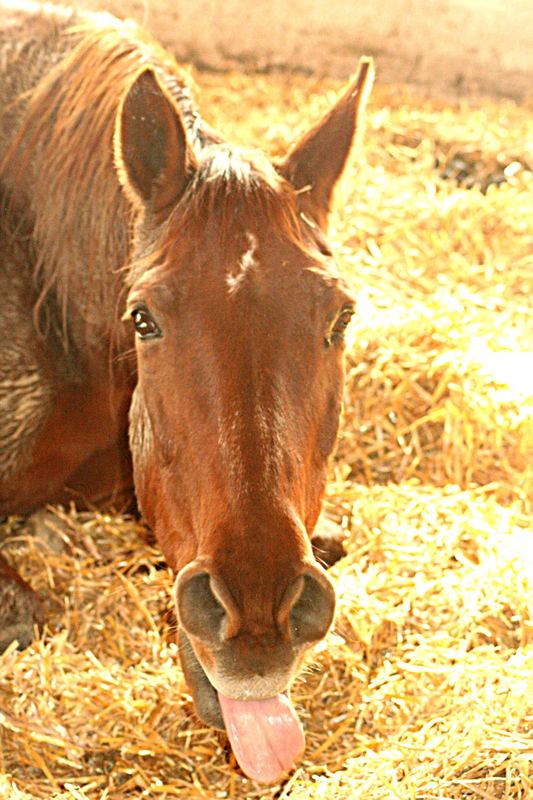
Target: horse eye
{"type": "Point", "coordinates": [341, 323]}
{"type": "Point", "coordinates": [145, 325]}
{"type": "Point", "coordinates": [344, 320]}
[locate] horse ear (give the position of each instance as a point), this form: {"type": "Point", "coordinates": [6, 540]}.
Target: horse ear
{"type": "Point", "coordinates": [316, 162]}
{"type": "Point", "coordinates": [153, 159]}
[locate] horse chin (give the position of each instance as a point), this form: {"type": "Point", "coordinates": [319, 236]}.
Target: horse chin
{"type": "Point", "coordinates": [203, 692]}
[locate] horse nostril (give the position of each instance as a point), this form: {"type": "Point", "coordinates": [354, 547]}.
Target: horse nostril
{"type": "Point", "coordinates": [308, 607]}
{"type": "Point", "coordinates": [199, 611]}
{"type": "Point", "coordinates": [205, 607]}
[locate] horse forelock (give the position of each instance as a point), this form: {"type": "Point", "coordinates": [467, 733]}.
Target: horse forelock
{"type": "Point", "coordinates": [234, 196]}
{"type": "Point", "coordinates": [235, 189]}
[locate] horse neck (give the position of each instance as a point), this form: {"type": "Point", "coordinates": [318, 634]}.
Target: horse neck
{"type": "Point", "coordinates": [78, 229]}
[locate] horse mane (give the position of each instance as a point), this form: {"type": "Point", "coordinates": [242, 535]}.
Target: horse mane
{"type": "Point", "coordinates": [59, 169]}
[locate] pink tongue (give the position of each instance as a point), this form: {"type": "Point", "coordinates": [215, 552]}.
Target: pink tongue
{"type": "Point", "coordinates": [266, 735]}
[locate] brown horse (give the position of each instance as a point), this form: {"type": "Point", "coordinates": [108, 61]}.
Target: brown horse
{"type": "Point", "coordinates": [130, 228]}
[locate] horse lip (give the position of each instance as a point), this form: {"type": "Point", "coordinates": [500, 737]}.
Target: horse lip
{"type": "Point", "coordinates": [205, 694]}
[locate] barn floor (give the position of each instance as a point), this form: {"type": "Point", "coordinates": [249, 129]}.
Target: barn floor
{"type": "Point", "coordinates": [424, 690]}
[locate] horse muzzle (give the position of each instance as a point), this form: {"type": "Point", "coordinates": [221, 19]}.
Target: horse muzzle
{"type": "Point", "coordinates": [240, 680]}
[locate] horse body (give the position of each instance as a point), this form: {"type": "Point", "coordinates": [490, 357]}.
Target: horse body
{"type": "Point", "coordinates": [119, 201]}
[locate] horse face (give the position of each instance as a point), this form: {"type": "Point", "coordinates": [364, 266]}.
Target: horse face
{"type": "Point", "coordinates": [239, 319]}
{"type": "Point", "coordinates": [234, 417]}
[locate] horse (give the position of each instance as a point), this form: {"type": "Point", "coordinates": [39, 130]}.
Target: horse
{"type": "Point", "coordinates": [173, 320]}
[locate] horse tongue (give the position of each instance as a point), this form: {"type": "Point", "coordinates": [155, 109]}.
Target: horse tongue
{"type": "Point", "coordinates": [266, 735]}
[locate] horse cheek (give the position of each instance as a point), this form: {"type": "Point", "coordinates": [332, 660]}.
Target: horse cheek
{"type": "Point", "coordinates": [142, 446]}
{"type": "Point", "coordinates": [329, 428]}
{"type": "Point", "coordinates": [325, 440]}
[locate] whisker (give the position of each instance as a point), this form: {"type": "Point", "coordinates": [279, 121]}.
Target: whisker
{"type": "Point", "coordinates": [126, 355]}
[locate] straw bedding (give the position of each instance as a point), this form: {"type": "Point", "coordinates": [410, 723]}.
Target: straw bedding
{"type": "Point", "coordinates": [424, 689]}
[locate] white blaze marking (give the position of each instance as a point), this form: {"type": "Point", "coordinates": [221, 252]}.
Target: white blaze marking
{"type": "Point", "coordinates": [229, 441]}
{"type": "Point", "coordinates": [246, 263]}
{"type": "Point", "coordinates": [268, 427]}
